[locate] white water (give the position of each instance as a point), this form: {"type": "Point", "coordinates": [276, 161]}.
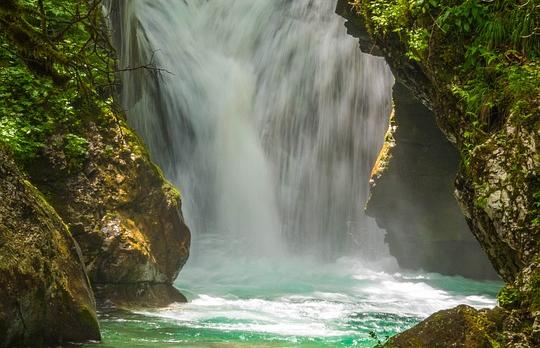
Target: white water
{"type": "Point", "coordinates": [299, 303]}
{"type": "Point", "coordinates": [296, 302]}
{"type": "Point", "coordinates": [269, 120]}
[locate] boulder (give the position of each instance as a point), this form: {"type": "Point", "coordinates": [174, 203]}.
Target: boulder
{"type": "Point", "coordinates": [125, 215]}
{"type": "Point", "coordinates": [46, 297]}
{"type": "Point", "coordinates": [458, 327]}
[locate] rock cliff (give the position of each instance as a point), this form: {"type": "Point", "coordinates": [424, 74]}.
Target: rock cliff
{"type": "Point", "coordinates": [416, 186]}
{"type": "Point", "coordinates": [483, 88]}
{"type": "Point", "coordinates": [85, 211]}
{"type": "Point", "coordinates": [414, 183]}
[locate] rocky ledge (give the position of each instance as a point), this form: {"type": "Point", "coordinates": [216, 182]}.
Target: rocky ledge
{"type": "Point", "coordinates": [108, 229]}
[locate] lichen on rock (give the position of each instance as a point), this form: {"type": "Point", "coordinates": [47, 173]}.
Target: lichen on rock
{"type": "Point", "coordinates": [125, 215]}
{"type": "Point", "coordinates": [462, 326]}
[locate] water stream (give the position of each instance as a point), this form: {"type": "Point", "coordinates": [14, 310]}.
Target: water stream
{"type": "Point", "coordinates": [269, 118]}
{"type": "Point", "coordinates": [298, 303]}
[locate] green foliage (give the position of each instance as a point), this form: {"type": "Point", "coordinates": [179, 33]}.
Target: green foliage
{"type": "Point", "coordinates": [509, 297]}
{"type": "Point", "coordinates": [418, 43]}
{"type": "Point", "coordinates": [62, 39]}
{"type": "Point", "coordinates": [388, 15]}
{"type": "Point", "coordinates": [55, 74]}
{"type": "Point", "coordinates": [76, 149]}
{"type": "Point", "coordinates": [485, 52]}
{"type": "Point", "coordinates": [463, 19]}
{"type": "Point", "coordinates": [32, 108]}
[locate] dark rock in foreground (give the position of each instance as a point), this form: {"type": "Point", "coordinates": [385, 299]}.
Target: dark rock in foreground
{"type": "Point", "coordinates": [45, 294]}
{"type": "Point", "coordinates": [462, 326]}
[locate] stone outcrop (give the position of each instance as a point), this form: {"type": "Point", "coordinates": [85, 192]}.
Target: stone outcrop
{"type": "Point", "coordinates": [46, 298]}
{"type": "Point", "coordinates": [88, 216]}
{"type": "Point", "coordinates": [496, 189]}
{"type": "Point", "coordinates": [497, 184]}
{"type": "Point", "coordinates": [124, 214]}
{"type": "Point", "coordinates": [416, 186]}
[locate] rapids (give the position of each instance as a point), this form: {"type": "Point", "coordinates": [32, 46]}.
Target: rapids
{"type": "Point", "coordinates": [299, 302]}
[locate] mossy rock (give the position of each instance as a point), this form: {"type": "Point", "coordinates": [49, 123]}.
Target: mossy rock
{"type": "Point", "coordinates": [45, 292]}
{"type": "Point", "coordinates": [462, 326]}
{"type": "Point", "coordinates": [122, 211]}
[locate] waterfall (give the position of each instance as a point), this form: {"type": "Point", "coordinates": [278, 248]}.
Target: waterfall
{"type": "Point", "coordinates": [268, 117]}
{"type": "Point", "coordinates": [264, 112]}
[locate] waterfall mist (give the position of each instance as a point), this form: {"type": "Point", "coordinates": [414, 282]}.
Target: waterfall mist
{"type": "Point", "coordinates": [265, 113]}
{"type": "Point", "coordinates": [268, 117]}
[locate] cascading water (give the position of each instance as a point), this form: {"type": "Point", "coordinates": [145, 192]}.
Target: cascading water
{"type": "Point", "coordinates": [268, 117]}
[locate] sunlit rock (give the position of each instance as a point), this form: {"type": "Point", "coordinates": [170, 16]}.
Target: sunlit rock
{"type": "Point", "coordinates": [124, 214]}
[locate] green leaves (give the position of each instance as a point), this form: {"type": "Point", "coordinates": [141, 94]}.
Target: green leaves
{"type": "Point", "coordinates": [76, 150]}
{"type": "Point", "coordinates": [418, 43]}
{"type": "Point", "coordinates": [462, 19]}
{"type": "Point", "coordinates": [55, 78]}
{"type": "Point", "coordinates": [509, 297]}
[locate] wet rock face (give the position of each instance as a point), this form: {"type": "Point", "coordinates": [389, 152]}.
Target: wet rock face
{"type": "Point", "coordinates": [495, 191]}
{"type": "Point", "coordinates": [124, 214]}
{"type": "Point", "coordinates": [46, 298]}
{"type": "Point", "coordinates": [136, 295]}
{"type": "Point", "coordinates": [412, 197]}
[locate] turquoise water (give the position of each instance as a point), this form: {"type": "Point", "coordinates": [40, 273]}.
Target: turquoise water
{"type": "Point", "coordinates": [241, 302]}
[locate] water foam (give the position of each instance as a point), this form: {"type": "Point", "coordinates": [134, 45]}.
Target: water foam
{"type": "Point", "coordinates": [317, 300]}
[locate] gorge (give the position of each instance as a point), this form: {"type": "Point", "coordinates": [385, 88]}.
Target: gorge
{"type": "Point", "coordinates": [316, 178]}
{"type": "Point", "coordinates": [237, 113]}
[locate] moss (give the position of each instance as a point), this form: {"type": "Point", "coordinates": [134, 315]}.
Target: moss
{"type": "Point", "coordinates": [43, 278]}
{"type": "Point", "coordinates": [462, 326]}
{"type": "Point", "coordinates": [534, 293]}
{"type": "Point", "coordinates": [385, 154]}
{"type": "Point", "coordinates": [136, 145]}
{"type": "Point", "coordinates": [495, 76]}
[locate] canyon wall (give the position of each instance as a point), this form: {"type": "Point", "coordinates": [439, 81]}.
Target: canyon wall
{"type": "Point", "coordinates": [86, 218]}
{"type": "Point", "coordinates": [412, 197]}
{"type": "Point", "coordinates": [412, 187]}
{"type": "Point", "coordinates": [489, 109]}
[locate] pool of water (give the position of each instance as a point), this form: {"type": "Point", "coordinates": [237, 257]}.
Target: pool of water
{"type": "Point", "coordinates": [241, 302]}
